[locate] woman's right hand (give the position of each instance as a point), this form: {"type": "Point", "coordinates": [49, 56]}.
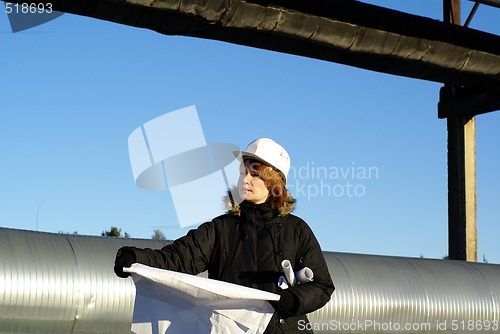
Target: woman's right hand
{"type": "Point", "coordinates": [124, 259]}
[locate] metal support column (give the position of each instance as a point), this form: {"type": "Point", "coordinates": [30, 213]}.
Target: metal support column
{"type": "Point", "coordinates": [462, 235]}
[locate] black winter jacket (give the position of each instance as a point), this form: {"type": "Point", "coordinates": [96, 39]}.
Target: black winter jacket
{"type": "Point", "coordinates": [246, 246]}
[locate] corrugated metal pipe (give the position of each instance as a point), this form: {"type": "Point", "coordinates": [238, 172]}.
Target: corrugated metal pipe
{"type": "Point", "coordinates": [58, 283]}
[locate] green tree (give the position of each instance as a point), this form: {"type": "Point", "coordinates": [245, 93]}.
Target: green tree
{"type": "Point", "coordinates": [158, 235]}
{"type": "Point", "coordinates": [115, 232]}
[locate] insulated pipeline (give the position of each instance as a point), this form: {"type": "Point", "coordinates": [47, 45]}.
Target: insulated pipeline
{"type": "Point", "coordinates": [381, 294]}
{"type": "Point", "coordinates": [57, 283]}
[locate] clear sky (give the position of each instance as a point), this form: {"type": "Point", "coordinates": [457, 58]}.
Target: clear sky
{"type": "Point", "coordinates": [72, 91]}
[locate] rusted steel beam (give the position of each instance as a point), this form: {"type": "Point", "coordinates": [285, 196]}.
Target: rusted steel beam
{"type": "Point", "coordinates": [342, 31]}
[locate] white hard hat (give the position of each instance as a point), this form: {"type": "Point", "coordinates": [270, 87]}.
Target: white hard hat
{"type": "Point", "coordinates": [270, 153]}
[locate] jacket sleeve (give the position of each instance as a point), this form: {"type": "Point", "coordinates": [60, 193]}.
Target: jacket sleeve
{"type": "Point", "coordinates": [312, 295]}
{"type": "Point", "coordinates": [189, 254]}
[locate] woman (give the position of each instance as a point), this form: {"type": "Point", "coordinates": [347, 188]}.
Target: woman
{"type": "Point", "coordinates": [247, 245]}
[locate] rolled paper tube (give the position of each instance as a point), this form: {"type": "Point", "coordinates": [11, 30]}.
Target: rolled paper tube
{"type": "Point", "coordinates": [282, 283]}
{"type": "Point", "coordinates": [288, 271]}
{"type": "Point", "coordinates": [304, 275]}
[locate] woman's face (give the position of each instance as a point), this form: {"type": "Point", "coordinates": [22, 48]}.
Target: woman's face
{"type": "Point", "coordinates": [250, 186]}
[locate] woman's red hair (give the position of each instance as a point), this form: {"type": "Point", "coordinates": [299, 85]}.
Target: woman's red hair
{"type": "Point", "coordinates": [273, 181]}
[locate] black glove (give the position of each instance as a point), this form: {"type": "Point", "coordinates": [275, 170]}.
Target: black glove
{"type": "Point", "coordinates": [287, 305]}
{"type": "Point", "coordinates": [124, 259]}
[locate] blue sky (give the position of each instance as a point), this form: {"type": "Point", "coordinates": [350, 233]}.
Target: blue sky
{"type": "Point", "coordinates": [74, 89]}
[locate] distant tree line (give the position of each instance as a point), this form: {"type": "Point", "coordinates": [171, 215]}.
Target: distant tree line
{"type": "Point", "coordinates": [117, 233]}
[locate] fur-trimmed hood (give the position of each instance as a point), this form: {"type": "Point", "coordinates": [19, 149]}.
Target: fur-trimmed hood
{"type": "Point", "coordinates": [233, 207]}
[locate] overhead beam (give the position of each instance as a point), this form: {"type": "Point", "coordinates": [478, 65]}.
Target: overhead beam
{"type": "Point", "coordinates": [342, 31]}
{"type": "Point", "coordinates": [494, 3]}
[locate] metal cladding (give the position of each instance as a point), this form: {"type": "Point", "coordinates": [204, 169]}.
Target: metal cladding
{"type": "Point", "coordinates": [58, 283]}
{"type": "Point", "coordinates": [381, 294]}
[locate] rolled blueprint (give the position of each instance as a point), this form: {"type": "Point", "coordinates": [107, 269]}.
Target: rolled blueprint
{"type": "Point", "coordinates": [291, 278]}
{"type": "Point", "coordinates": [304, 275]}
{"type": "Point", "coordinates": [288, 271]}
{"type": "Point", "coordinates": [282, 283]}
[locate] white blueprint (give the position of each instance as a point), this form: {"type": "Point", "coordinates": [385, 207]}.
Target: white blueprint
{"type": "Point", "coordinates": [176, 303]}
